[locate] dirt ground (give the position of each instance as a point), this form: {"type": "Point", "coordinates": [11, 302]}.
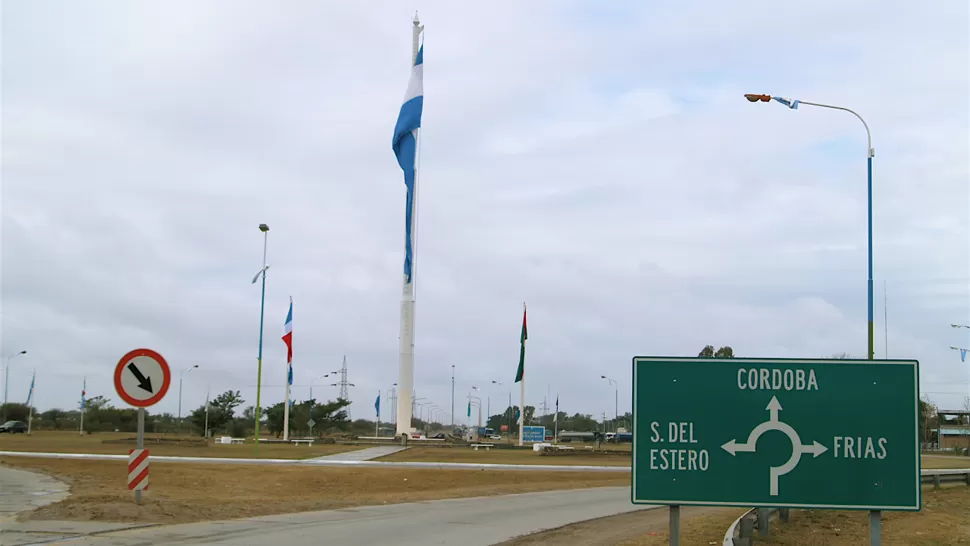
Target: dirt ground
{"type": "Point", "coordinates": [181, 493]}
{"type": "Point", "coordinates": [465, 454]}
{"type": "Point", "coordinates": [699, 525]}
{"type": "Point", "coordinates": [71, 442]}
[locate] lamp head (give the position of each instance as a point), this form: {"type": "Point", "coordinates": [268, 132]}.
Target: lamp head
{"type": "Point", "coordinates": [752, 97]}
{"type": "Point", "coordinates": [263, 227]}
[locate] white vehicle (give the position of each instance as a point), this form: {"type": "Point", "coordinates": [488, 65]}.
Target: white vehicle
{"type": "Point", "coordinates": [495, 437]}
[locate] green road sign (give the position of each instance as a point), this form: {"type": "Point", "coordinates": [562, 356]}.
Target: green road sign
{"type": "Point", "coordinates": [840, 434]}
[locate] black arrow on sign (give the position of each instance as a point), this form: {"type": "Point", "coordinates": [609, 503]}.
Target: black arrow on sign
{"type": "Point", "coordinates": [143, 382]}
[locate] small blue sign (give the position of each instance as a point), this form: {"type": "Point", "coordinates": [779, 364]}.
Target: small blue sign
{"type": "Point", "coordinates": [533, 434]}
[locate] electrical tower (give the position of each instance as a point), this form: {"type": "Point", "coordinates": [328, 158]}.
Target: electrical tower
{"type": "Point", "coordinates": [343, 384]}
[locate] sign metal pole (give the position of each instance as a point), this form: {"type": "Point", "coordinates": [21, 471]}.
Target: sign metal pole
{"type": "Point", "coordinates": [674, 525]}
{"type": "Point", "coordinates": [141, 444]}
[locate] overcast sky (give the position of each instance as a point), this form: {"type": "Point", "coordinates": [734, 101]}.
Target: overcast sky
{"type": "Point", "coordinates": [596, 160]}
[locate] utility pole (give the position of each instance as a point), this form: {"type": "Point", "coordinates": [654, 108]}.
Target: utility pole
{"type": "Point", "coordinates": [343, 384]}
{"type": "Point", "coordinates": [452, 398]}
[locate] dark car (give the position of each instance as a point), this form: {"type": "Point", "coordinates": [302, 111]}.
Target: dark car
{"type": "Point", "coordinates": [13, 427]}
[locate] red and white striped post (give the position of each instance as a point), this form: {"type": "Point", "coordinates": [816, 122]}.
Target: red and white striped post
{"type": "Point", "coordinates": [138, 464]}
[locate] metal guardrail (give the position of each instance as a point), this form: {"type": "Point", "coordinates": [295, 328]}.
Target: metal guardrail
{"type": "Point", "coordinates": [740, 533]}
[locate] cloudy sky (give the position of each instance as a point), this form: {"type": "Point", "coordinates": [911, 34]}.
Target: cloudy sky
{"type": "Point", "coordinates": [597, 161]}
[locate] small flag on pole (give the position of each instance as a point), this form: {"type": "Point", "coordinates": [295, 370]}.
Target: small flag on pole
{"type": "Point", "coordinates": [524, 336]}
{"type": "Point", "coordinates": [963, 355]}
{"type": "Point", "coordinates": [84, 388]}
{"type": "Point", "coordinates": [469, 408]}
{"type": "Point", "coordinates": [377, 405]}
{"type": "Point", "coordinates": [556, 418]}
{"type": "Point", "coordinates": [30, 394]}
{"type": "Point", "coordinates": [288, 339]}
{"type": "Point", "coordinates": [791, 103]}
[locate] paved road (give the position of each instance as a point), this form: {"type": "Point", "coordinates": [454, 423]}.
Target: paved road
{"type": "Point", "coordinates": [362, 454]}
{"type": "Point", "coordinates": [21, 490]}
{"type": "Point", "coordinates": [470, 522]}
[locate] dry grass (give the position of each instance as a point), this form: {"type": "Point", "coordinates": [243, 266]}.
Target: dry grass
{"type": "Point", "coordinates": [71, 442]}
{"type": "Point", "coordinates": [186, 492]}
{"type": "Point", "coordinates": [699, 525]}
{"type": "Point", "coordinates": [944, 521]}
{"type": "Point", "coordinates": [465, 454]}
{"type": "Point", "coordinates": [946, 462]}
{"type": "Point", "coordinates": [704, 527]}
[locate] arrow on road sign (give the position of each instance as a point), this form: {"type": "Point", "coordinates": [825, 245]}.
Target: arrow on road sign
{"type": "Point", "coordinates": [815, 449]}
{"type": "Point", "coordinates": [733, 447]}
{"type": "Point", "coordinates": [773, 408]}
{"type": "Point", "coordinates": [144, 382]}
{"type": "Point", "coordinates": [773, 423]}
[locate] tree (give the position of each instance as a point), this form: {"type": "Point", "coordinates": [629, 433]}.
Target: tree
{"type": "Point", "coordinates": [97, 403]}
{"type": "Point", "coordinates": [326, 416]}
{"type": "Point", "coordinates": [928, 420]}
{"type": "Point", "coordinates": [221, 412]}
{"type": "Point", "coordinates": [227, 402]}
{"type": "Point", "coordinates": [709, 352]}
{"type": "Point", "coordinates": [55, 417]}
{"type": "Point", "coordinates": [14, 412]}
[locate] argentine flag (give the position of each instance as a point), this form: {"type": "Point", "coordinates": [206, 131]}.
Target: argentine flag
{"type": "Point", "coordinates": [405, 148]}
{"type": "Point", "coordinates": [791, 103]}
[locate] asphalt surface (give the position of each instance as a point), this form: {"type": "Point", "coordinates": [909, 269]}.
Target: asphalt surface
{"type": "Point", "coordinates": [21, 491]}
{"type": "Point", "coordinates": [470, 522]}
{"type": "Point", "coordinates": [367, 454]}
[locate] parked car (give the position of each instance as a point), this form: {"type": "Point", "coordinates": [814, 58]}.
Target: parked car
{"type": "Point", "coordinates": [495, 437]}
{"type": "Point", "coordinates": [13, 427]}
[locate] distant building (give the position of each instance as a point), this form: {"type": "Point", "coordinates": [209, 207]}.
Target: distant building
{"type": "Point", "coordinates": [954, 437]}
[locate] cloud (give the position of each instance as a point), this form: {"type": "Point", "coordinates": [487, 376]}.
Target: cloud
{"type": "Point", "coordinates": [598, 163]}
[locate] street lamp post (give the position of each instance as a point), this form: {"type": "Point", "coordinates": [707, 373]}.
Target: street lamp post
{"type": "Point", "coordinates": [262, 307]}
{"type": "Point", "coordinates": [870, 153]}
{"type": "Point", "coordinates": [452, 398]}
{"type": "Point", "coordinates": [6, 378]}
{"type": "Point", "coordinates": [616, 401]}
{"type": "Point", "coordinates": [182, 373]}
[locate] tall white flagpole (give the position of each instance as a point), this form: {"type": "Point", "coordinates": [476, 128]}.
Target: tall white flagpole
{"type": "Point", "coordinates": [84, 405]}
{"type": "Point", "coordinates": [206, 429]}
{"type": "Point", "coordinates": [555, 435]}
{"type": "Point", "coordinates": [522, 392]}
{"type": "Point", "coordinates": [30, 414]}
{"type": "Point", "coordinates": [406, 343]}
{"type": "Point", "coordinates": [522, 410]}
{"type": "Point", "coordinates": [286, 405]}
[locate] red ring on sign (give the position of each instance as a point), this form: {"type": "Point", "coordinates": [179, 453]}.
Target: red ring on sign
{"type": "Point", "coordinates": [166, 378]}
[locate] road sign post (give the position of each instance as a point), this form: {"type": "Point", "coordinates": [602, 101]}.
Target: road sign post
{"type": "Point", "coordinates": [838, 434]}
{"type": "Point", "coordinates": [141, 378]}
{"type": "Point", "coordinates": [138, 462]}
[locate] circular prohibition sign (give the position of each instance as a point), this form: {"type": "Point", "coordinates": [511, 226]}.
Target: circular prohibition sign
{"type": "Point", "coordinates": [142, 378]}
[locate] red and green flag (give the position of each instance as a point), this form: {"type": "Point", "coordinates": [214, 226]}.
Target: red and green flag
{"type": "Point", "coordinates": [525, 335]}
